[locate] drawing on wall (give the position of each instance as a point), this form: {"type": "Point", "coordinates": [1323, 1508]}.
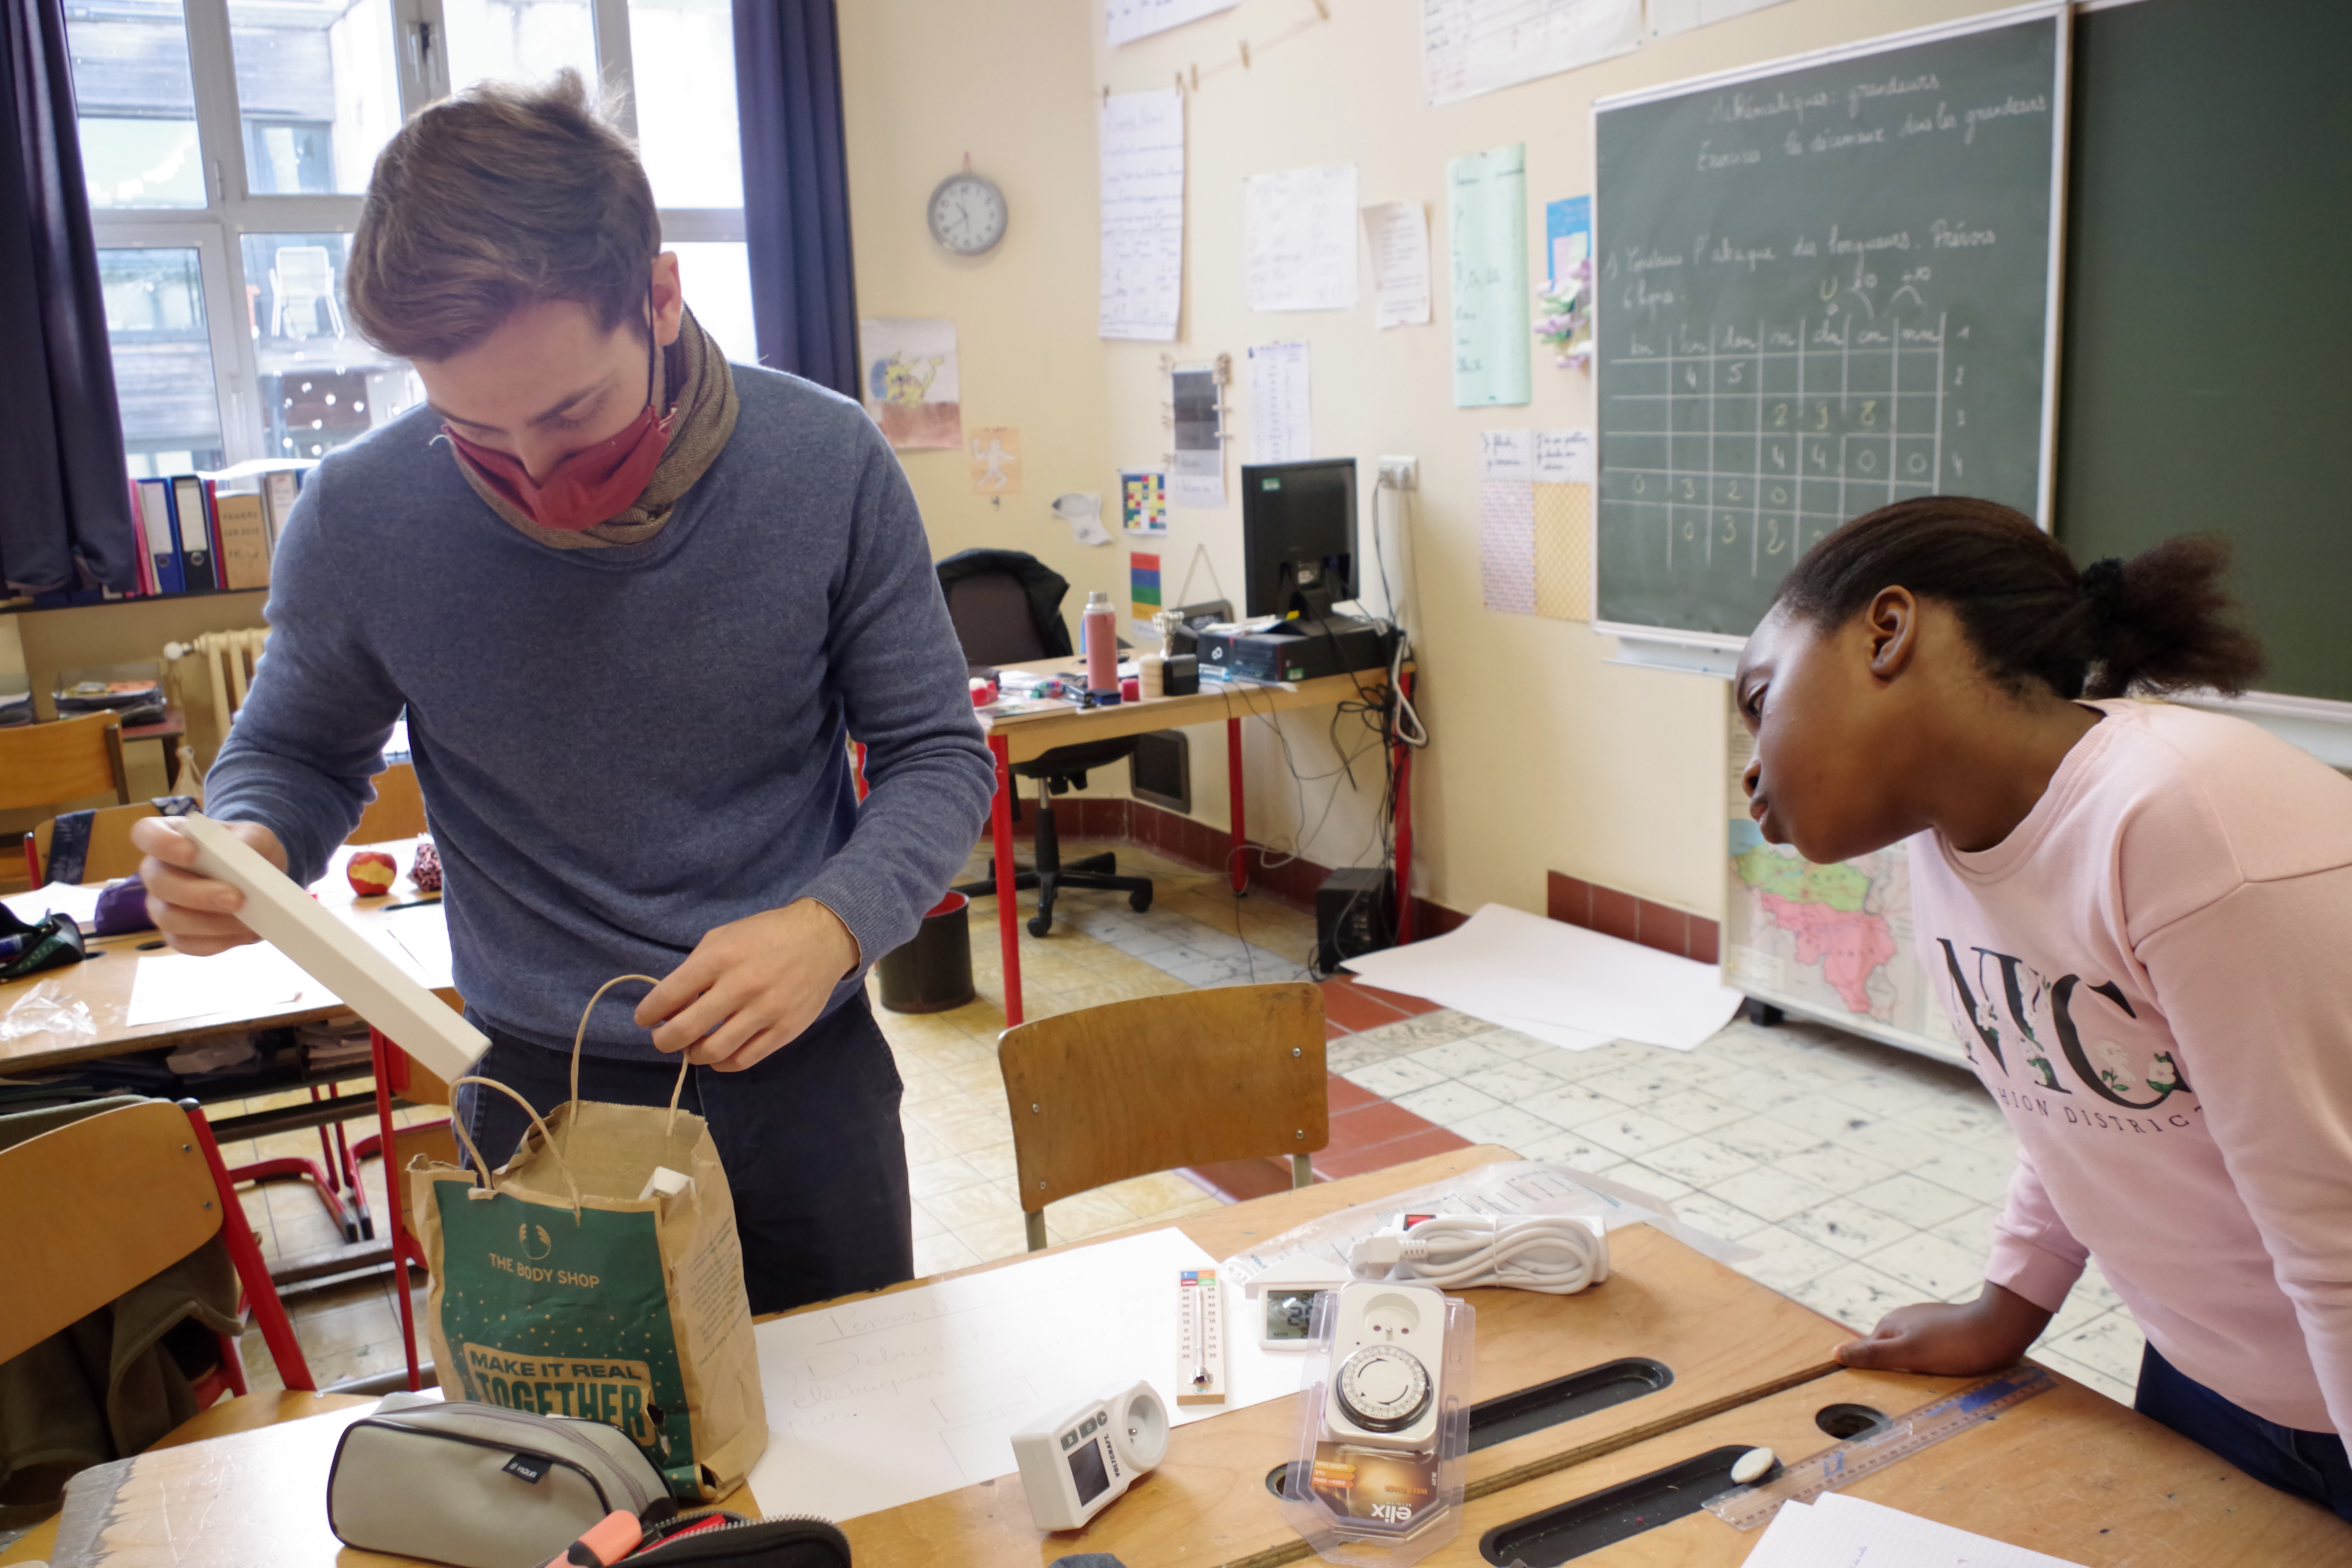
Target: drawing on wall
{"type": "Point", "coordinates": [996, 460]}
{"type": "Point", "coordinates": [1196, 400]}
{"type": "Point", "coordinates": [1143, 501]}
{"type": "Point", "coordinates": [909, 382]}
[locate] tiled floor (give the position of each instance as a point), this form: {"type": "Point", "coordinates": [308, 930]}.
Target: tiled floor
{"type": "Point", "coordinates": [1864, 1176]}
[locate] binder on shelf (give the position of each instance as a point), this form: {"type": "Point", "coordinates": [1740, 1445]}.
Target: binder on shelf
{"type": "Point", "coordinates": [278, 487]}
{"type": "Point", "coordinates": [243, 541]}
{"type": "Point", "coordinates": [161, 536]}
{"type": "Point", "coordinates": [193, 519]}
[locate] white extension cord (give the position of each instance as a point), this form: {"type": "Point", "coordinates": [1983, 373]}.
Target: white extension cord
{"type": "Point", "coordinates": [1549, 1253]}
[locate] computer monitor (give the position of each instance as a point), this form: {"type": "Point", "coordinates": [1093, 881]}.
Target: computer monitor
{"type": "Point", "coordinates": [1298, 537]}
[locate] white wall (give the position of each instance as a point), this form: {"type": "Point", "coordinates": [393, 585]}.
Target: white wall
{"type": "Point", "coordinates": [1547, 757]}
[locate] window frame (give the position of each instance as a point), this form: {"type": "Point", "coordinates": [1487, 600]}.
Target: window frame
{"type": "Point", "coordinates": [233, 209]}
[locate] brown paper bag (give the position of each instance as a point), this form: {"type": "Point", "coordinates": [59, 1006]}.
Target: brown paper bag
{"type": "Point", "coordinates": [557, 1290]}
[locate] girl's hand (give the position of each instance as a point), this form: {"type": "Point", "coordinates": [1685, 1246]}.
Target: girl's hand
{"type": "Point", "coordinates": [1983, 1335]}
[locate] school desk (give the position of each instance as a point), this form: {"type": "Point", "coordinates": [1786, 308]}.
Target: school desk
{"type": "Point", "coordinates": [1026, 738]}
{"type": "Point", "coordinates": [104, 985]}
{"type": "Point", "coordinates": [1727, 1340]}
{"type": "Point", "coordinates": [2069, 1473]}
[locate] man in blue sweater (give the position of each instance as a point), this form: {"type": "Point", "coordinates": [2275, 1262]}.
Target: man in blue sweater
{"type": "Point", "coordinates": [633, 600]}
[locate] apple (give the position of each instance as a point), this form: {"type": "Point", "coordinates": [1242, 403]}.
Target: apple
{"type": "Point", "coordinates": [372, 871]}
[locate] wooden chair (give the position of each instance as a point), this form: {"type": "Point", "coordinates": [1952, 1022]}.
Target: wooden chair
{"type": "Point", "coordinates": [112, 853]}
{"type": "Point", "coordinates": [1130, 1088]}
{"type": "Point", "coordinates": [69, 760]}
{"type": "Point", "coordinates": [397, 812]}
{"type": "Point", "coordinates": [102, 1205]}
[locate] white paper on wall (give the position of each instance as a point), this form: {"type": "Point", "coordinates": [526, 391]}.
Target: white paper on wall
{"type": "Point", "coordinates": [1299, 232]}
{"type": "Point", "coordinates": [1142, 215]}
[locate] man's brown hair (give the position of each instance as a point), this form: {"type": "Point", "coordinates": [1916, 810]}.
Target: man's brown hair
{"type": "Point", "coordinates": [504, 195]}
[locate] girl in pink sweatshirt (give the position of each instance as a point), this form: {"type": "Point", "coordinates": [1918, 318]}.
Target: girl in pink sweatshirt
{"type": "Point", "coordinates": [2139, 916]}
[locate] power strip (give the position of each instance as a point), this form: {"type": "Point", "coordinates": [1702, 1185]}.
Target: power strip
{"type": "Point", "coordinates": [1200, 1337]}
{"type": "Point", "coordinates": [1747, 1508]}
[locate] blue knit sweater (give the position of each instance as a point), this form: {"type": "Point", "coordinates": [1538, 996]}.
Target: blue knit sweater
{"type": "Point", "coordinates": [622, 748]}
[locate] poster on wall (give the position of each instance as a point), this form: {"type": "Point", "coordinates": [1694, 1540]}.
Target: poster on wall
{"type": "Point", "coordinates": [1143, 502]}
{"type": "Point", "coordinates": [1197, 402]}
{"type": "Point", "coordinates": [996, 460]}
{"type": "Point", "coordinates": [1486, 225]}
{"type": "Point", "coordinates": [1470, 47]}
{"type": "Point", "coordinates": [1567, 239]}
{"type": "Point", "coordinates": [909, 379]}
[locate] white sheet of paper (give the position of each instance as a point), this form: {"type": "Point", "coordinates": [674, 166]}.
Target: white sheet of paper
{"type": "Point", "coordinates": [1142, 215]}
{"type": "Point", "coordinates": [1526, 966]}
{"type": "Point", "coordinates": [78, 900]}
{"type": "Point", "coordinates": [1127, 20]}
{"type": "Point", "coordinates": [1082, 510]}
{"type": "Point", "coordinates": [1280, 421]}
{"type": "Point", "coordinates": [1564, 456]}
{"type": "Point", "coordinates": [1838, 1529]}
{"type": "Point", "coordinates": [1670, 16]}
{"type": "Point", "coordinates": [888, 1400]}
{"type": "Point", "coordinates": [1196, 480]}
{"type": "Point", "coordinates": [169, 986]}
{"type": "Point", "coordinates": [1397, 233]}
{"type": "Point", "coordinates": [1470, 47]}
{"type": "Point", "coordinates": [1506, 453]}
{"type": "Point", "coordinates": [1299, 235]}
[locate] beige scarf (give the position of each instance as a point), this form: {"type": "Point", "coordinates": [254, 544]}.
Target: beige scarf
{"type": "Point", "coordinates": [705, 406]}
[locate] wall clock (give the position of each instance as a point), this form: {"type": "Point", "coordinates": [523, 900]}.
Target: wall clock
{"type": "Point", "coordinates": [967, 214]}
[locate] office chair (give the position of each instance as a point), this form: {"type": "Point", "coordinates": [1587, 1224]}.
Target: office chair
{"type": "Point", "coordinates": [1007, 609]}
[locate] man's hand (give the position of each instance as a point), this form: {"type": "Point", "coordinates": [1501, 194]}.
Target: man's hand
{"type": "Point", "coordinates": [195, 914]}
{"type": "Point", "coordinates": [1983, 1335]}
{"type": "Point", "coordinates": [750, 987]}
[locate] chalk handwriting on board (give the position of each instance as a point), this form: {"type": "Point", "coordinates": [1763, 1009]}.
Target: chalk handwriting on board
{"type": "Point", "coordinates": [1820, 290]}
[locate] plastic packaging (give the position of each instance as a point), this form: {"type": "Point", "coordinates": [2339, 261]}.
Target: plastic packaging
{"type": "Point", "coordinates": [1100, 626]}
{"type": "Point", "coordinates": [44, 1010]}
{"type": "Point", "coordinates": [1382, 1506]}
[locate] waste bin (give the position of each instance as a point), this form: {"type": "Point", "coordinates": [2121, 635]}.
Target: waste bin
{"type": "Point", "coordinates": [932, 972]}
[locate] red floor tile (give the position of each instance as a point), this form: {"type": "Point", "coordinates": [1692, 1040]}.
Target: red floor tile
{"type": "Point", "coordinates": [1352, 1007]}
{"type": "Point", "coordinates": [1375, 1123]}
{"type": "Point", "coordinates": [1335, 1031]}
{"type": "Point", "coordinates": [1346, 1096]}
{"type": "Point", "coordinates": [1333, 1163]}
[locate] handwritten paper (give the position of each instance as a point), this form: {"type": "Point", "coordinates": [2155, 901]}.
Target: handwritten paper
{"type": "Point", "coordinates": [1300, 235]}
{"type": "Point", "coordinates": [1506, 453]}
{"type": "Point", "coordinates": [1507, 545]}
{"type": "Point", "coordinates": [1397, 233]}
{"type": "Point", "coordinates": [1563, 457]}
{"type": "Point", "coordinates": [1128, 20]}
{"type": "Point", "coordinates": [1486, 220]}
{"type": "Point", "coordinates": [1470, 47]}
{"type": "Point", "coordinates": [888, 1400]}
{"type": "Point", "coordinates": [1142, 215]}
{"type": "Point", "coordinates": [1670, 16]}
{"type": "Point", "coordinates": [1280, 431]}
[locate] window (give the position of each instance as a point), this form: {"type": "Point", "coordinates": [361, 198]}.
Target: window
{"type": "Point", "coordinates": [227, 144]}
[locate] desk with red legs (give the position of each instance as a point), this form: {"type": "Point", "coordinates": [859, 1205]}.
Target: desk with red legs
{"type": "Point", "coordinates": [1022, 740]}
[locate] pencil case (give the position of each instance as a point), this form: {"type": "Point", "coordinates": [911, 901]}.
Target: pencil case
{"type": "Point", "coordinates": [723, 1540]}
{"type": "Point", "coordinates": [479, 1485]}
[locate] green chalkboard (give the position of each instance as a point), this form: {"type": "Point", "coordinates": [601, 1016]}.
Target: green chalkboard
{"type": "Point", "coordinates": [2207, 376]}
{"type": "Point", "coordinates": [1821, 287]}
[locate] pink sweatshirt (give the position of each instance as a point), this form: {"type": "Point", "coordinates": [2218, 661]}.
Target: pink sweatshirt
{"type": "Point", "coordinates": [2153, 975]}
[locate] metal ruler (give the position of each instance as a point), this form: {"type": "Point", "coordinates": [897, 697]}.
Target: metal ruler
{"type": "Point", "coordinates": [1746, 1508]}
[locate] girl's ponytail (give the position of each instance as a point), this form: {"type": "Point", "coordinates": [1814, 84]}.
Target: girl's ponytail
{"type": "Point", "coordinates": [2158, 621]}
{"type": "Point", "coordinates": [2155, 623]}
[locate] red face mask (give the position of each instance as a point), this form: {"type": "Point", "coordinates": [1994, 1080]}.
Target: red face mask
{"type": "Point", "coordinates": [589, 486]}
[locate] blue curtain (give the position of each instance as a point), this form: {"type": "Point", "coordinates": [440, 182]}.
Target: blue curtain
{"type": "Point", "coordinates": [66, 523]}
{"type": "Point", "coordinates": [796, 189]}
